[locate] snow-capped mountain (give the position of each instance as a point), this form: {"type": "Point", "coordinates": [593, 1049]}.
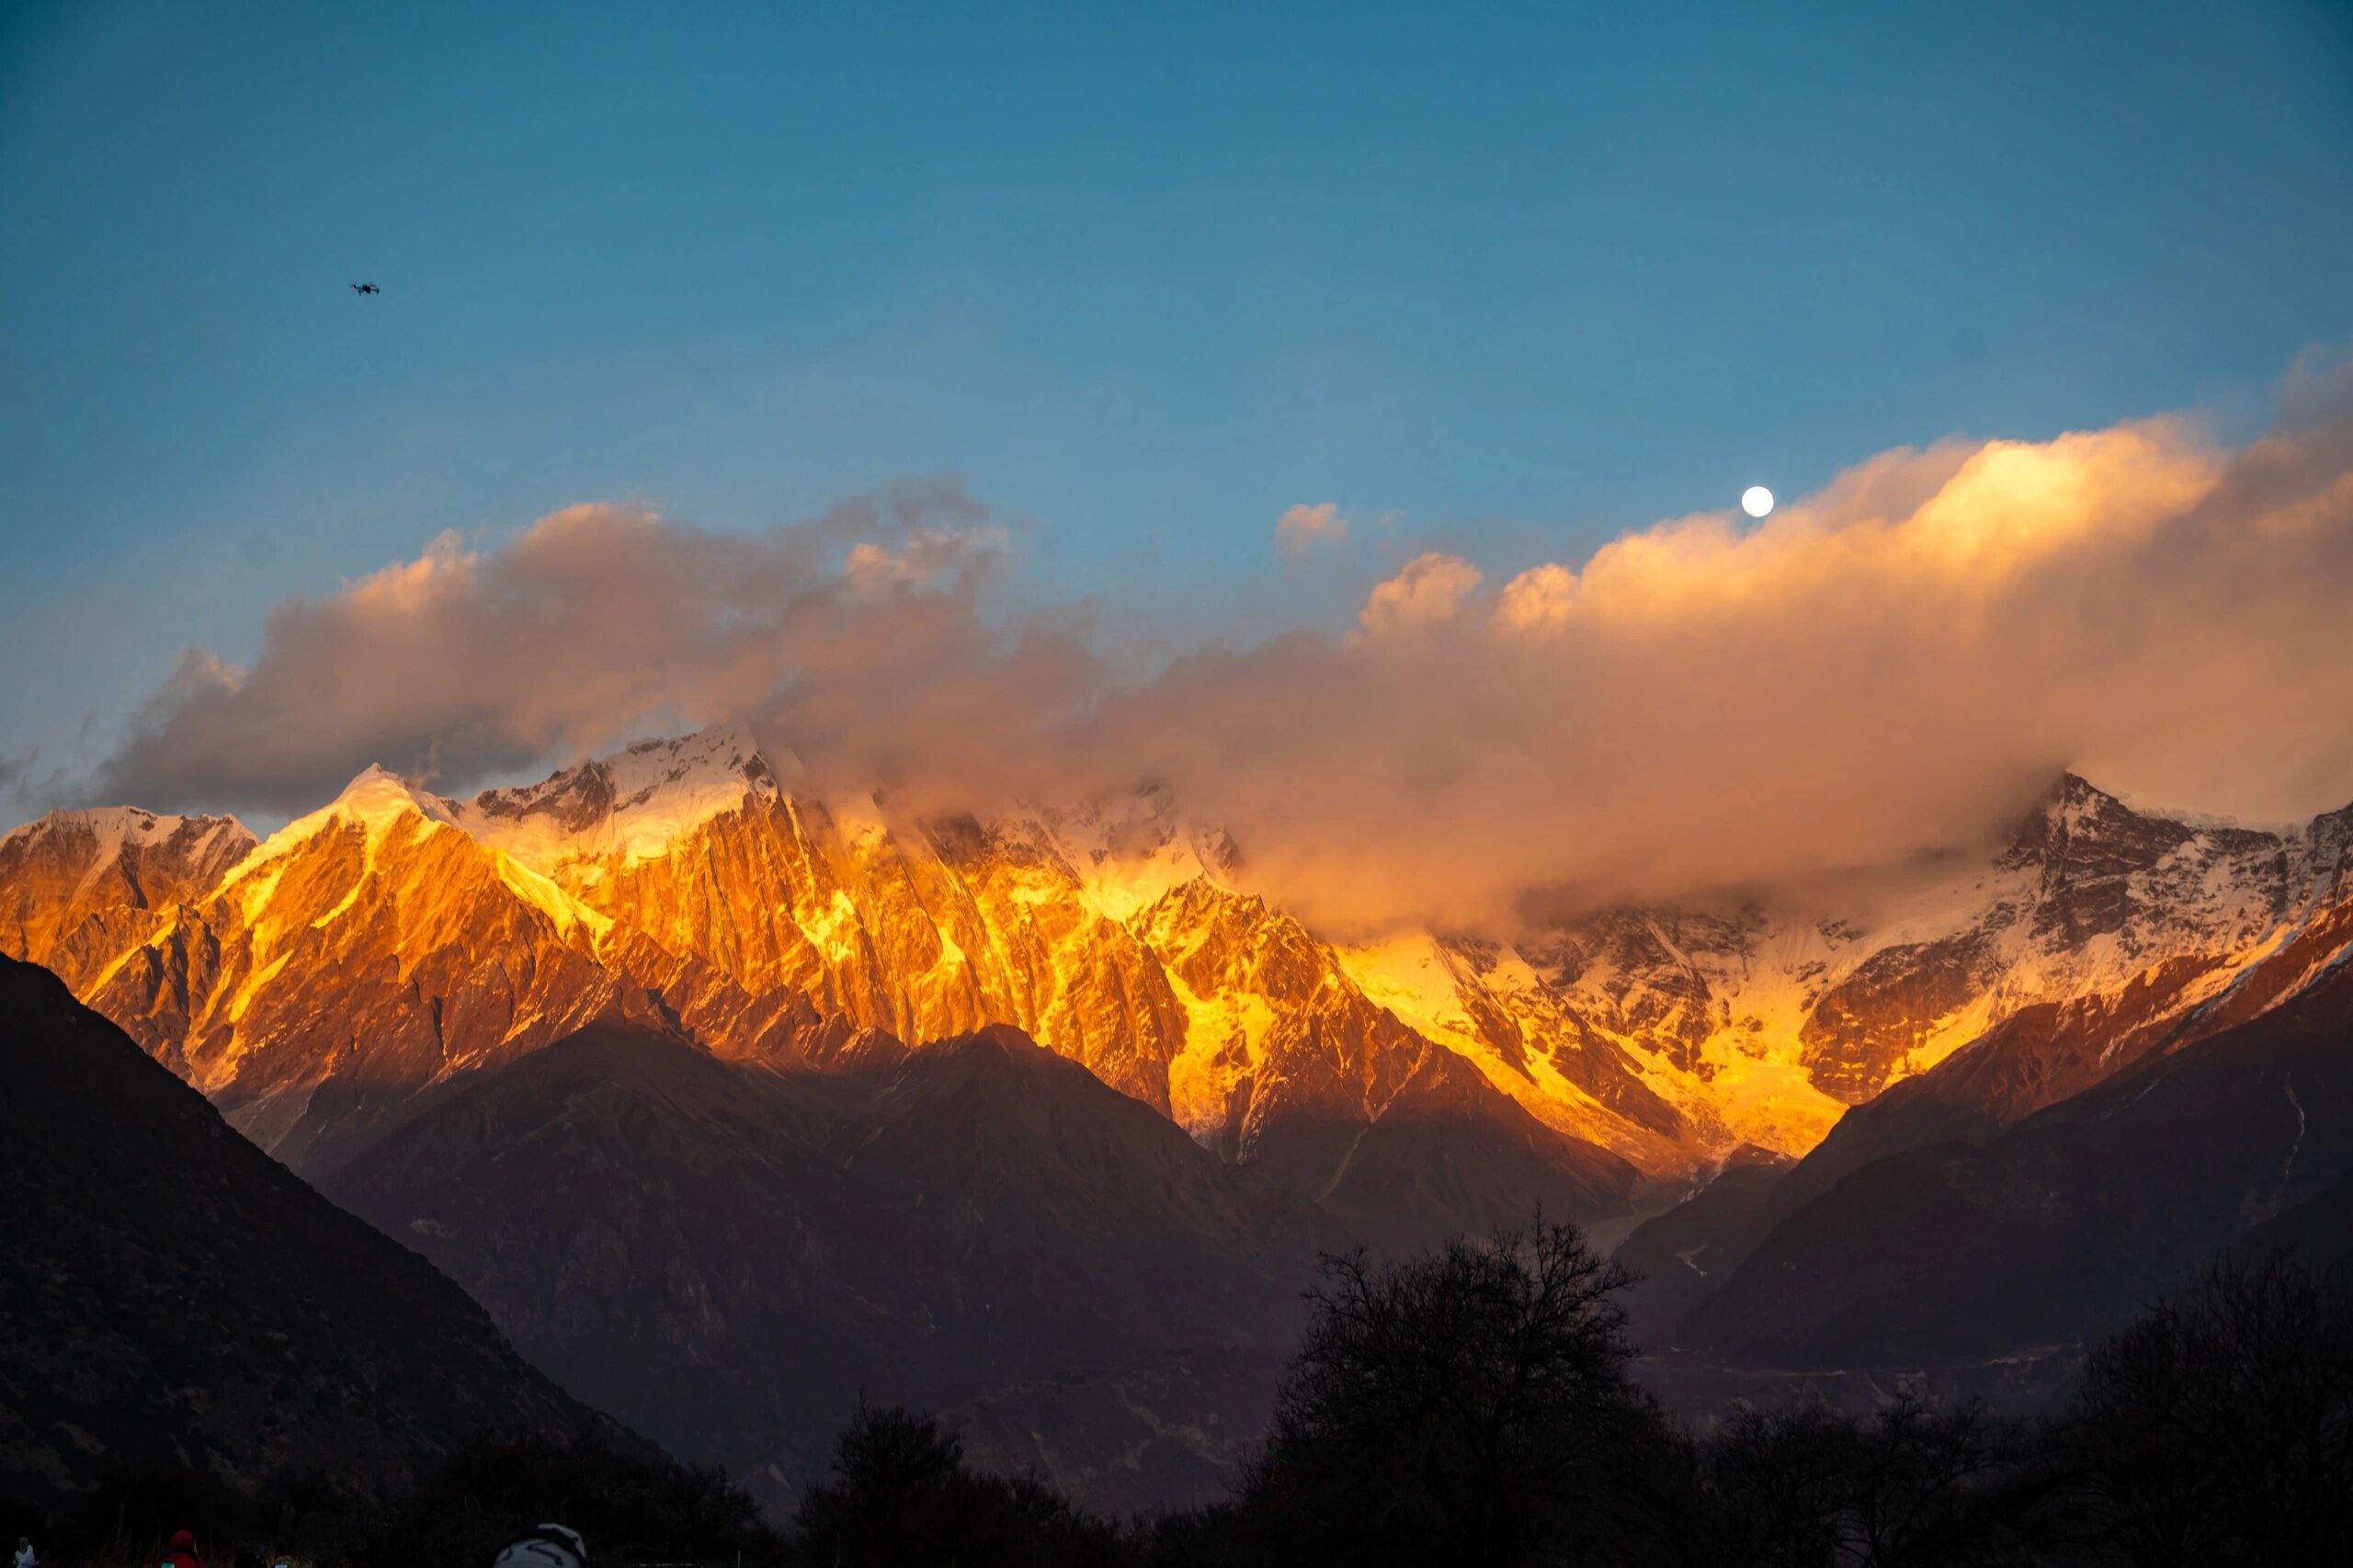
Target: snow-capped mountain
{"type": "Point", "coordinates": [1763, 1025]}
{"type": "Point", "coordinates": [321, 983]}
{"type": "Point", "coordinates": [79, 890]}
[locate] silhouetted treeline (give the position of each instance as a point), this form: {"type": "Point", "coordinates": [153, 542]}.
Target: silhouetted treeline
{"type": "Point", "coordinates": [638, 1506]}
{"type": "Point", "coordinates": [135, 1508]}
{"type": "Point", "coordinates": [1473, 1407]}
{"type": "Point", "coordinates": [631, 1509]}
{"type": "Point", "coordinates": [901, 1496]}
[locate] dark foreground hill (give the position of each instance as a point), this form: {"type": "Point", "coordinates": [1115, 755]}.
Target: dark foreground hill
{"type": "Point", "coordinates": [174, 1299]}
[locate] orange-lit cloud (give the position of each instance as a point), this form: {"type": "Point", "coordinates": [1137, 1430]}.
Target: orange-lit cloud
{"type": "Point", "coordinates": [1428, 590]}
{"type": "Point", "coordinates": [1888, 668]}
{"type": "Point", "coordinates": [1881, 671]}
{"type": "Point", "coordinates": [1301, 527]}
{"type": "Point", "coordinates": [593, 625]}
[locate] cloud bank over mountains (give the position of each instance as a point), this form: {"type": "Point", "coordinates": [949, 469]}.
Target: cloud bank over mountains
{"type": "Point", "coordinates": [586, 627]}
{"type": "Point", "coordinates": [1886, 669]}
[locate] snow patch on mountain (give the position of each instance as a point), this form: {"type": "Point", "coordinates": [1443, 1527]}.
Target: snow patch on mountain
{"type": "Point", "coordinates": [111, 829]}
{"type": "Point", "coordinates": [378, 801]}
{"type": "Point", "coordinates": [387, 808]}
{"type": "Point", "coordinates": [622, 809]}
{"type": "Point", "coordinates": [1416, 979]}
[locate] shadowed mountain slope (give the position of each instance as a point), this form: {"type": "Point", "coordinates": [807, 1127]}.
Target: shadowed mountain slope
{"type": "Point", "coordinates": [2037, 1057]}
{"type": "Point", "coordinates": [2063, 1225]}
{"type": "Point", "coordinates": [732, 1257]}
{"type": "Point", "coordinates": [171, 1295]}
{"type": "Point", "coordinates": [2319, 1231]}
{"type": "Point", "coordinates": [1448, 1156]}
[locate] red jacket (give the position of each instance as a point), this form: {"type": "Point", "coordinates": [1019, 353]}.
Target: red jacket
{"type": "Point", "coordinates": [183, 1551]}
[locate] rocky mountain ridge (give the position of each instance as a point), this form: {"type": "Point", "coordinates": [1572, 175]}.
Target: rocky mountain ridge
{"type": "Point", "coordinates": [2048, 1231]}
{"type": "Point", "coordinates": [323, 984]}
{"type": "Point", "coordinates": [2036, 1080]}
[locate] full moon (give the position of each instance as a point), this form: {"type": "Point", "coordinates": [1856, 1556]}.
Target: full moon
{"type": "Point", "coordinates": [1756, 500]}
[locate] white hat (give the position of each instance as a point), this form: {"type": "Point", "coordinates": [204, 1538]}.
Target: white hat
{"type": "Point", "coordinates": [549, 1546]}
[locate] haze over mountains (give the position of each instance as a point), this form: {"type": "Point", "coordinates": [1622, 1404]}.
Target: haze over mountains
{"type": "Point", "coordinates": [717, 1088]}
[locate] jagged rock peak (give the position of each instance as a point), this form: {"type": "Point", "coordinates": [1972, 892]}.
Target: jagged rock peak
{"type": "Point", "coordinates": [2075, 814]}
{"type": "Point", "coordinates": [112, 828]}
{"type": "Point", "coordinates": [635, 802]}
{"type": "Point", "coordinates": [376, 800]}
{"type": "Point", "coordinates": [72, 863]}
{"type": "Point", "coordinates": [2074, 804]}
{"type": "Point", "coordinates": [377, 791]}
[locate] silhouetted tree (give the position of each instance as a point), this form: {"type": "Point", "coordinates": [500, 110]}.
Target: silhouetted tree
{"type": "Point", "coordinates": [1914, 1486]}
{"type": "Point", "coordinates": [1774, 1487]}
{"type": "Point", "coordinates": [901, 1496]}
{"type": "Point", "coordinates": [629, 1505]}
{"type": "Point", "coordinates": [2218, 1426]}
{"type": "Point", "coordinates": [1226, 1535]}
{"type": "Point", "coordinates": [1467, 1407]}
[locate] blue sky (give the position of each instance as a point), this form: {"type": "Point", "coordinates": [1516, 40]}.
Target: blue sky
{"type": "Point", "coordinates": [1523, 278]}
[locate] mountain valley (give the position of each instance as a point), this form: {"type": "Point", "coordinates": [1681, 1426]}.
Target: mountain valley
{"type": "Point", "coordinates": [735, 1100]}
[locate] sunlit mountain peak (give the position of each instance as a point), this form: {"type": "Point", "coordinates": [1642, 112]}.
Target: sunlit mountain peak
{"type": "Point", "coordinates": [632, 805]}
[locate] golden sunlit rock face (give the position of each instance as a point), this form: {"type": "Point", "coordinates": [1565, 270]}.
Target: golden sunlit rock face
{"type": "Point", "coordinates": [81, 889]}
{"type": "Point", "coordinates": [316, 984]}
